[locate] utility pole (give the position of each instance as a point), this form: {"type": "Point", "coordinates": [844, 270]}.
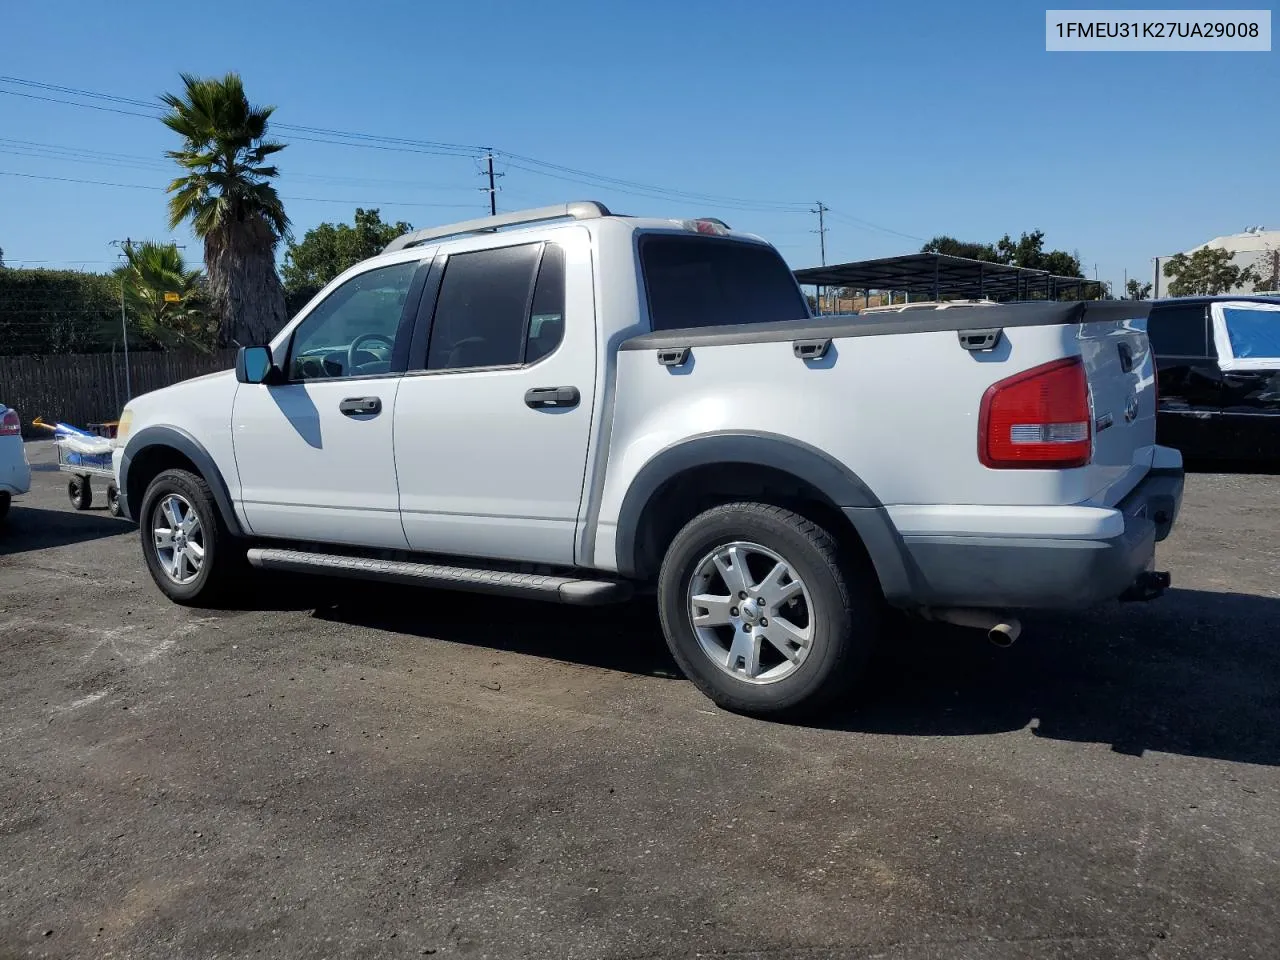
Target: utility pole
{"type": "Point", "coordinates": [492, 188]}
{"type": "Point", "coordinates": [126, 245]}
{"type": "Point", "coordinates": [821, 211]}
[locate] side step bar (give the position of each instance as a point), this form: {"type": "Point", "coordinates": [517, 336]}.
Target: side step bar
{"type": "Point", "coordinates": [532, 586]}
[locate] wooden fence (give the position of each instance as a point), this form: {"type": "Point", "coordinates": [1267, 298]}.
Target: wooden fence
{"type": "Point", "coordinates": [83, 388]}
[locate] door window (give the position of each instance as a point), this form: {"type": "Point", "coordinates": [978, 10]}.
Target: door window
{"type": "Point", "coordinates": [1179, 330]}
{"type": "Point", "coordinates": [498, 308]}
{"type": "Point", "coordinates": [352, 332]}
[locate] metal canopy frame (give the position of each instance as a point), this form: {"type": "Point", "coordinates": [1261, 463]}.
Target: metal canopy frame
{"type": "Point", "coordinates": [940, 276]}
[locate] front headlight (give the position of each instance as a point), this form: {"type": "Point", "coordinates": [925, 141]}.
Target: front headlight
{"type": "Point", "coordinates": [122, 427]}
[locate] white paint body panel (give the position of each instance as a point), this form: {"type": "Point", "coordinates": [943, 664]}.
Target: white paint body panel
{"type": "Point", "coordinates": [900, 411]}
{"type": "Point", "coordinates": [481, 473]}
{"type": "Point", "coordinates": [309, 472]}
{"type": "Point", "coordinates": [200, 407]}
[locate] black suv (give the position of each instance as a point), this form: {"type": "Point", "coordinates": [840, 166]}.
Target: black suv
{"type": "Point", "coordinates": [1218, 372]}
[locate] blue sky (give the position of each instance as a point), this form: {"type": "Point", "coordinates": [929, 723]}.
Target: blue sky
{"type": "Point", "coordinates": [921, 118]}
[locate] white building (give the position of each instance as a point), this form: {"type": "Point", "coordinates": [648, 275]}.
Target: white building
{"type": "Point", "coordinates": [1256, 247]}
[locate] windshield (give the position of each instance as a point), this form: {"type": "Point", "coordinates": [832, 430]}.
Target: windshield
{"type": "Point", "coordinates": [711, 282]}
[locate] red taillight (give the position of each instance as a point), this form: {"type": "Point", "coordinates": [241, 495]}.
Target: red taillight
{"type": "Point", "coordinates": [1037, 419]}
{"type": "Point", "coordinates": [10, 425]}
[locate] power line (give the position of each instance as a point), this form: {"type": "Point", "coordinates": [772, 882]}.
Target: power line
{"type": "Point", "coordinates": [143, 186]}
{"type": "Point", "coordinates": [431, 147]}
{"type": "Point", "coordinates": [858, 221]}
{"type": "Point", "coordinates": [51, 151]}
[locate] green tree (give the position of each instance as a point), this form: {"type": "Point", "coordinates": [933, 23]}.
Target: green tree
{"type": "Point", "coordinates": [164, 298]}
{"type": "Point", "coordinates": [1027, 251]}
{"type": "Point", "coordinates": [227, 195]}
{"type": "Point", "coordinates": [1206, 272]}
{"type": "Point", "coordinates": [330, 248]}
{"type": "Point", "coordinates": [961, 248]}
{"type": "Point", "coordinates": [1136, 290]}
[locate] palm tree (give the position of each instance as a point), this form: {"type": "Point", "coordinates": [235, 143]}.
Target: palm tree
{"type": "Point", "coordinates": [164, 298]}
{"type": "Point", "coordinates": [227, 195]}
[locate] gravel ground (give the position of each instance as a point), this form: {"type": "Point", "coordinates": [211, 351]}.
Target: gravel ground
{"type": "Point", "coordinates": [343, 771]}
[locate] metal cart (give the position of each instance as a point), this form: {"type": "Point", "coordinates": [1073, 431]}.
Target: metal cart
{"type": "Point", "coordinates": [82, 467]}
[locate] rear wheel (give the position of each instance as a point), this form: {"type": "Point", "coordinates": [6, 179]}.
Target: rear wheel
{"type": "Point", "coordinates": [5, 500]}
{"type": "Point", "coordinates": [113, 500]}
{"type": "Point", "coordinates": [80, 493]}
{"type": "Point", "coordinates": [763, 612]}
{"type": "Point", "coordinates": [189, 551]}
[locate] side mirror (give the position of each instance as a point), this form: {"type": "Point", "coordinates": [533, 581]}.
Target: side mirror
{"type": "Point", "coordinates": [254, 365]}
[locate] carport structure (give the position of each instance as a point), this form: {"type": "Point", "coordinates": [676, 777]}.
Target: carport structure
{"type": "Point", "coordinates": [940, 276]}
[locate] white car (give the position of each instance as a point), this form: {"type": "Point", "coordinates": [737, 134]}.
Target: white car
{"type": "Point", "coordinates": [579, 404]}
{"type": "Point", "coordinates": [15, 473]}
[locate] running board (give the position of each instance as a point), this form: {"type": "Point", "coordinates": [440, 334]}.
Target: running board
{"type": "Point", "coordinates": [532, 586]}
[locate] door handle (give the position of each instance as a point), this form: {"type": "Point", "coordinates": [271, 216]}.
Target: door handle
{"type": "Point", "coordinates": [356, 406]}
{"type": "Point", "coordinates": [561, 397]}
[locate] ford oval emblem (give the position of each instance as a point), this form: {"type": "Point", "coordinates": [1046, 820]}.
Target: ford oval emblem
{"type": "Point", "coordinates": [1131, 409]}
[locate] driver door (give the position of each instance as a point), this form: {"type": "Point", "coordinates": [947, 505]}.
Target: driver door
{"type": "Point", "coordinates": [314, 454]}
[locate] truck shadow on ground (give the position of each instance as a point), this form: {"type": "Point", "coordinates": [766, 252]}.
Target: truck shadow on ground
{"type": "Point", "coordinates": [37, 528]}
{"type": "Point", "coordinates": [1195, 673]}
{"type": "Point", "coordinates": [626, 637]}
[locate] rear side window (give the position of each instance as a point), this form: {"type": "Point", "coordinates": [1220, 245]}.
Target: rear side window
{"type": "Point", "coordinates": [1180, 330]}
{"type": "Point", "coordinates": [546, 323]}
{"type": "Point", "coordinates": [499, 308]}
{"type": "Point", "coordinates": [483, 307]}
{"type": "Point", "coordinates": [709, 282]}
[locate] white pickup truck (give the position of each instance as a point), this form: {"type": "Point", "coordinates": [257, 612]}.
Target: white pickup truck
{"type": "Point", "coordinates": [567, 404]}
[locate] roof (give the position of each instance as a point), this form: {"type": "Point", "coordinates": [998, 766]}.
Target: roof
{"type": "Point", "coordinates": [575, 210]}
{"type": "Point", "coordinates": [1254, 240]}
{"type": "Point", "coordinates": [939, 276]}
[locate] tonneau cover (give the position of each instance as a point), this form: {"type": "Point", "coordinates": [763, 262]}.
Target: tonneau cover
{"type": "Point", "coordinates": [1044, 314]}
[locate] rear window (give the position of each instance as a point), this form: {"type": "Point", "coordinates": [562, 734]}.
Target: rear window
{"type": "Point", "coordinates": [708, 282]}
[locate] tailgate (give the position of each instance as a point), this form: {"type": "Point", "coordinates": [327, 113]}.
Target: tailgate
{"type": "Point", "coordinates": [1122, 389]}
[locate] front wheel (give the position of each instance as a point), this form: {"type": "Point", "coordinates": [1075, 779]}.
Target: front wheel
{"type": "Point", "coordinates": [188, 549]}
{"type": "Point", "coordinates": [763, 611]}
{"type": "Point", "coordinates": [6, 499]}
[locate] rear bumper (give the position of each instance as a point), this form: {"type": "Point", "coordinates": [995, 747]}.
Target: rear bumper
{"type": "Point", "coordinates": [15, 479]}
{"type": "Point", "coordinates": [1053, 571]}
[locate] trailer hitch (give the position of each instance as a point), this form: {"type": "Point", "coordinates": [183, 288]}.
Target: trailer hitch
{"type": "Point", "coordinates": [1146, 586]}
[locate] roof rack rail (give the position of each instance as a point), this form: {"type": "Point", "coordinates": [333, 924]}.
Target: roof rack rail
{"type": "Point", "coordinates": [577, 210]}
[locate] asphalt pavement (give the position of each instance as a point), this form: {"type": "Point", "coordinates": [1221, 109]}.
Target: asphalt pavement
{"type": "Point", "coordinates": [348, 771]}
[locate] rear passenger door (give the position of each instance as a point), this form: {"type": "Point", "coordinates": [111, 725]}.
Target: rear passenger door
{"type": "Point", "coordinates": [1188, 377]}
{"type": "Point", "coordinates": [493, 418]}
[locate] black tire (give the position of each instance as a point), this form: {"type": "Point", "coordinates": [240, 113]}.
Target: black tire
{"type": "Point", "coordinates": [80, 493]}
{"type": "Point", "coordinates": [113, 500]}
{"type": "Point", "coordinates": [6, 499]}
{"type": "Point", "coordinates": [845, 608]}
{"type": "Point", "coordinates": [223, 561]}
